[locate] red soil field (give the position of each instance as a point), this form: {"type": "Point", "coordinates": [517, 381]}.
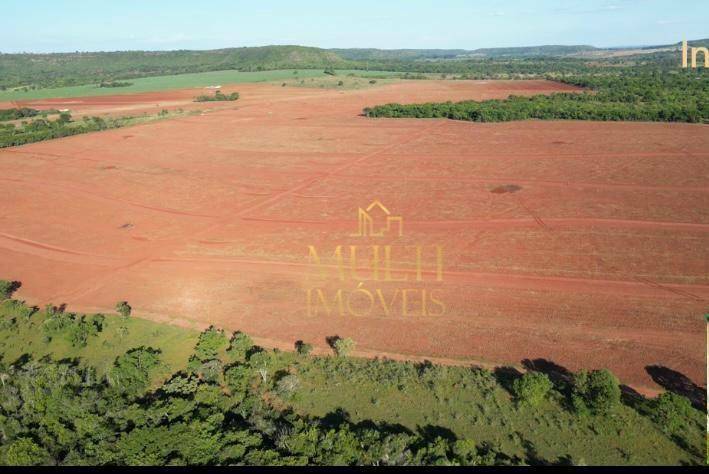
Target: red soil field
{"type": "Point", "coordinates": [127, 104]}
{"type": "Point", "coordinates": [596, 258]}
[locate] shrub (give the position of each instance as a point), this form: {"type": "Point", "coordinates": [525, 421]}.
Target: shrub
{"type": "Point", "coordinates": [597, 391]}
{"type": "Point", "coordinates": [80, 330]}
{"type": "Point", "coordinates": [123, 308]}
{"type": "Point", "coordinates": [532, 388]}
{"type": "Point", "coordinates": [6, 289]}
{"type": "Point", "coordinates": [343, 347]}
{"type": "Point", "coordinates": [303, 348]}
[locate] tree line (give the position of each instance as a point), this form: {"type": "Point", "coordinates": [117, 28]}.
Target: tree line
{"type": "Point", "coordinates": [658, 97]}
{"type": "Point", "coordinates": [44, 129]}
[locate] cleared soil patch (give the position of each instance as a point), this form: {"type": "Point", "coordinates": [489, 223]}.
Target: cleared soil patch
{"type": "Point", "coordinates": [507, 188]}
{"type": "Point", "coordinates": [597, 259]}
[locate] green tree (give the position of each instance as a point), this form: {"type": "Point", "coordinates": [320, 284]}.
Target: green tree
{"type": "Point", "coordinates": [25, 452]}
{"type": "Point", "coordinates": [239, 347]}
{"type": "Point", "coordinates": [211, 342]}
{"type": "Point", "coordinates": [597, 391]}
{"type": "Point", "coordinates": [532, 388]}
{"type": "Point", "coordinates": [131, 372]}
{"type": "Point", "coordinates": [670, 411]}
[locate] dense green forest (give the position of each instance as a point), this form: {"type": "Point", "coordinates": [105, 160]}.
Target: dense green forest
{"type": "Point", "coordinates": [666, 97]}
{"type": "Point", "coordinates": [230, 402]}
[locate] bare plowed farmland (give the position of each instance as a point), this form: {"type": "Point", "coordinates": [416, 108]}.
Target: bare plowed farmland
{"type": "Point", "coordinates": [581, 243]}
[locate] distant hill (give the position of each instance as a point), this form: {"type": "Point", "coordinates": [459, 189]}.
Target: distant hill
{"type": "Point", "coordinates": [372, 54]}
{"type": "Point", "coordinates": [548, 50]}
{"type": "Point", "coordinates": [69, 69]}
{"type": "Point", "coordinates": [421, 54]}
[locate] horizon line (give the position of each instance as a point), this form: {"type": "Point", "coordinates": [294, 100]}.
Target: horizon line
{"type": "Point", "coordinates": [679, 42]}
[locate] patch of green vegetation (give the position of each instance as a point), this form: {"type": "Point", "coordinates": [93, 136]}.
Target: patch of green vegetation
{"type": "Point", "coordinates": [114, 84]}
{"type": "Point", "coordinates": [230, 402]}
{"type": "Point", "coordinates": [42, 129]}
{"type": "Point", "coordinates": [662, 97]}
{"type": "Point", "coordinates": [17, 114]}
{"type": "Point", "coordinates": [218, 96]}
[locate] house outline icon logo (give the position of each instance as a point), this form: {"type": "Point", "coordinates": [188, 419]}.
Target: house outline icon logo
{"type": "Point", "coordinates": [366, 221]}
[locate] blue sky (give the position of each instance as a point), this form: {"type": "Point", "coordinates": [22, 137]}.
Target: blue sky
{"type": "Point", "coordinates": [102, 25]}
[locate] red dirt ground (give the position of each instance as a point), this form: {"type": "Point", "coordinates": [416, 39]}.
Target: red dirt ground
{"type": "Point", "coordinates": [128, 104]}
{"type": "Point", "coordinates": [599, 259]}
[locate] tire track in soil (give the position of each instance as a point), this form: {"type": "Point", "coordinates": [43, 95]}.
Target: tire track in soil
{"type": "Point", "coordinates": [497, 280]}
{"type": "Point", "coordinates": [97, 283]}
{"type": "Point", "coordinates": [40, 184]}
{"type": "Point", "coordinates": [531, 182]}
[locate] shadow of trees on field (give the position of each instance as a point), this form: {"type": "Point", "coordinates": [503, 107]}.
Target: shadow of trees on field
{"type": "Point", "coordinates": [676, 382]}
{"type": "Point", "coordinates": [561, 377]}
{"type": "Point", "coordinates": [506, 376]}
{"type": "Point", "coordinates": [332, 340]}
{"type": "Point", "coordinates": [532, 457]}
{"type": "Point", "coordinates": [431, 432]}
{"type": "Point", "coordinates": [631, 397]}
{"type": "Point", "coordinates": [14, 286]}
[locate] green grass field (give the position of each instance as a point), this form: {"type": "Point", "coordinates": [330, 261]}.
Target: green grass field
{"type": "Point", "coordinates": [175, 343]}
{"type": "Point", "coordinates": [181, 81]}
